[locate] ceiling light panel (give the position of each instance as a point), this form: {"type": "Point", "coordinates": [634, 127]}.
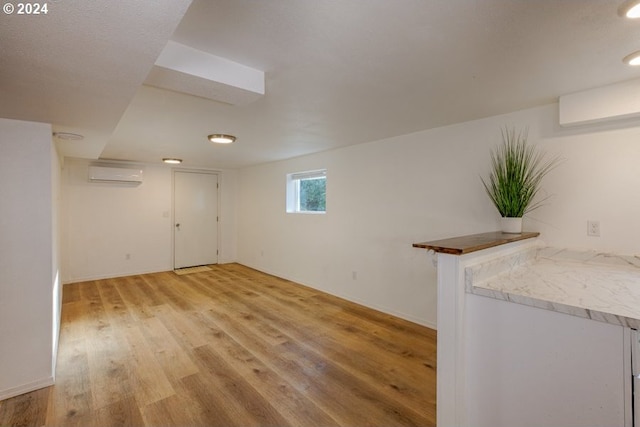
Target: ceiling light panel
{"type": "Point", "coordinates": [630, 9]}
{"type": "Point", "coordinates": [221, 138]}
{"type": "Point", "coordinates": [172, 161]}
{"type": "Point", "coordinates": [632, 59]}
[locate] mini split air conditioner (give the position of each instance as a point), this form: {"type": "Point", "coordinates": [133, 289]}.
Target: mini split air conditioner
{"type": "Point", "coordinates": [111, 174]}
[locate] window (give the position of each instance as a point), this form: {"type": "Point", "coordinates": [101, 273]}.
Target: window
{"type": "Point", "coordinates": [306, 191]}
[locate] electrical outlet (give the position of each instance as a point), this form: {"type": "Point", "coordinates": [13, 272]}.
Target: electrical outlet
{"type": "Point", "coordinates": [593, 228]}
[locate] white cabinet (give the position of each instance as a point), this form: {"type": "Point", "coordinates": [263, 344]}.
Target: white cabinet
{"type": "Point", "coordinates": [527, 366]}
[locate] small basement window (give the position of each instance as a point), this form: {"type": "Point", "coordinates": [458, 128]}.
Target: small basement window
{"type": "Point", "coordinates": [306, 192]}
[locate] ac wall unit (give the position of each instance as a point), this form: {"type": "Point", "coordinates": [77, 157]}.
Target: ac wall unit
{"type": "Point", "coordinates": [110, 174]}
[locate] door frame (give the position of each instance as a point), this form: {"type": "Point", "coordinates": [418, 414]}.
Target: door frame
{"type": "Point", "coordinates": [173, 208]}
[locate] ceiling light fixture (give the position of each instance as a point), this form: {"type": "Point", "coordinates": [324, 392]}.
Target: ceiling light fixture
{"type": "Point", "coordinates": [68, 136]}
{"type": "Point", "coordinates": [172, 161]}
{"type": "Point", "coordinates": [630, 9]}
{"type": "Point", "coordinates": [220, 138]}
{"type": "Point", "coordinates": [632, 59]}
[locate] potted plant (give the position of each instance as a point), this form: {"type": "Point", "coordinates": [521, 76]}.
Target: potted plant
{"type": "Point", "coordinates": [517, 169]}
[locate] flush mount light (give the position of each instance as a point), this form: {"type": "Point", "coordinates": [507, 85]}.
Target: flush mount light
{"type": "Point", "coordinates": [172, 161]}
{"type": "Point", "coordinates": [220, 138]}
{"type": "Point", "coordinates": [68, 136]}
{"type": "Point", "coordinates": [632, 59]}
{"type": "Point", "coordinates": [630, 9]}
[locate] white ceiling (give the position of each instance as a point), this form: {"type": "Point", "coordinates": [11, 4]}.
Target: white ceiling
{"type": "Point", "coordinates": [79, 66]}
{"type": "Point", "coordinates": [338, 72]}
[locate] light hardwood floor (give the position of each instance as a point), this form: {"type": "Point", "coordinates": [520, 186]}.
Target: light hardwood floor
{"type": "Point", "coordinates": [229, 347]}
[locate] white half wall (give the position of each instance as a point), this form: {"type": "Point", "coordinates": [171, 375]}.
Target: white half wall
{"type": "Point", "coordinates": [28, 256]}
{"type": "Point", "coordinates": [105, 222]}
{"type": "Point", "coordinates": [385, 195]}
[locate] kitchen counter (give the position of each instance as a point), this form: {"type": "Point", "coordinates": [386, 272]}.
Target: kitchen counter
{"type": "Point", "coordinates": [532, 335]}
{"type": "Point", "coordinates": [587, 284]}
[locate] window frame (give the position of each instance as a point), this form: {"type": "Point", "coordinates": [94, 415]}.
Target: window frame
{"type": "Point", "coordinates": [293, 190]}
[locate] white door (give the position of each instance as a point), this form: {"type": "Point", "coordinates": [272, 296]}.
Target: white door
{"type": "Point", "coordinates": [195, 208]}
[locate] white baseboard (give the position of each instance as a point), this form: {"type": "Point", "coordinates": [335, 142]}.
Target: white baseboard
{"type": "Point", "coordinates": [68, 281]}
{"type": "Point", "coordinates": [26, 388]}
{"type": "Point", "coordinates": [413, 319]}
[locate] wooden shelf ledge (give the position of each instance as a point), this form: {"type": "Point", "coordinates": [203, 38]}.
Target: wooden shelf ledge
{"type": "Point", "coordinates": [475, 242]}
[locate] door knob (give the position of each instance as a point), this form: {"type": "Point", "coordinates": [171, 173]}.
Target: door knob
{"type": "Point", "coordinates": [178, 225]}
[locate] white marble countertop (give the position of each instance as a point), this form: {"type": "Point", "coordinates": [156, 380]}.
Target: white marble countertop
{"type": "Point", "coordinates": [588, 284]}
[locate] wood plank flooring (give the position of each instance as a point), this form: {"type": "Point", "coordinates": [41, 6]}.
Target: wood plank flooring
{"type": "Point", "coordinates": [229, 347]}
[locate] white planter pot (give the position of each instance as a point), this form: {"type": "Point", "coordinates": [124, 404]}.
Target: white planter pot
{"type": "Point", "coordinates": [511, 225]}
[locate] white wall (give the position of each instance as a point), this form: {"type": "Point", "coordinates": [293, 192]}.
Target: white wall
{"type": "Point", "coordinates": [384, 195]}
{"type": "Point", "coordinates": [28, 256]}
{"type": "Point", "coordinates": [599, 180]}
{"type": "Point", "coordinates": [56, 233]}
{"type": "Point", "coordinates": [103, 222]}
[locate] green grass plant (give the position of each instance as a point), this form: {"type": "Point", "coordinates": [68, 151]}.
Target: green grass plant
{"type": "Point", "coordinates": [517, 169]}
